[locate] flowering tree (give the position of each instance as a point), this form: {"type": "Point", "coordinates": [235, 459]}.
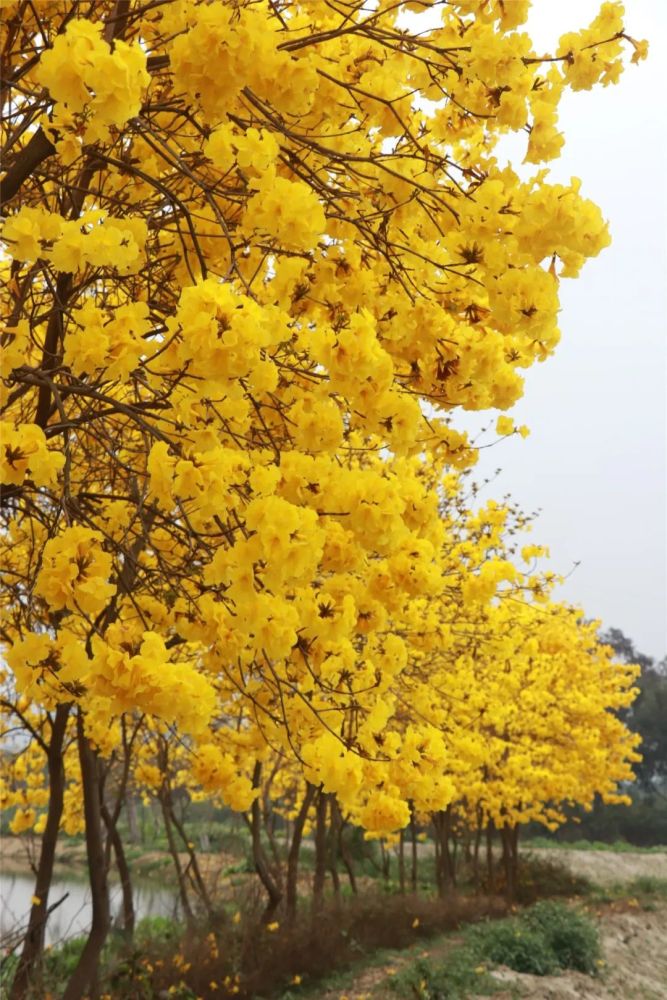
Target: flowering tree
{"type": "Point", "coordinates": [256, 255]}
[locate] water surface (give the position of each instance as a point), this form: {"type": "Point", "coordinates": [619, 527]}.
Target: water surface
{"type": "Point", "coordinates": [72, 917]}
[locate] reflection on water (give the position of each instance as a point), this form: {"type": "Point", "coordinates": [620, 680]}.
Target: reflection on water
{"type": "Point", "coordinates": [73, 915]}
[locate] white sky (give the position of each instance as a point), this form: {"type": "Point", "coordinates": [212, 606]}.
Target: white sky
{"type": "Point", "coordinates": [595, 462]}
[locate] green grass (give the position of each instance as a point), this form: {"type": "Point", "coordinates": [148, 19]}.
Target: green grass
{"type": "Point", "coordinates": [646, 891]}
{"type": "Point", "coordinates": [459, 976]}
{"type": "Point", "coordinates": [343, 980]}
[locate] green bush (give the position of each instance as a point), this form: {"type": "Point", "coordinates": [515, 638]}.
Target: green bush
{"type": "Point", "coordinates": [459, 977]}
{"type": "Point", "coordinates": [571, 936]}
{"type": "Point", "coordinates": [547, 937]}
{"type": "Point", "coordinates": [156, 931]}
{"type": "Point", "coordinates": [519, 947]}
{"type": "Point", "coordinates": [60, 962]}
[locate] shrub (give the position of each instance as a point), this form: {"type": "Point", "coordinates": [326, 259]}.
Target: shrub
{"type": "Point", "coordinates": [459, 977]}
{"type": "Point", "coordinates": [519, 947]}
{"type": "Point", "coordinates": [548, 937]}
{"type": "Point", "coordinates": [571, 936]}
{"type": "Point", "coordinates": [646, 885]}
{"type": "Point", "coordinates": [541, 878]}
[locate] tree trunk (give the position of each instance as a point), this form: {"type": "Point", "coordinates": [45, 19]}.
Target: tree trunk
{"type": "Point", "coordinates": [489, 858]}
{"type": "Point", "coordinates": [451, 853]}
{"type": "Point", "coordinates": [320, 873]}
{"type": "Point", "coordinates": [475, 853]}
{"type": "Point", "coordinates": [200, 885]}
{"type": "Point", "coordinates": [401, 862]}
{"type": "Point", "coordinates": [342, 849]}
{"type": "Point", "coordinates": [385, 862]}
{"type": "Point", "coordinates": [510, 860]}
{"type": "Point", "coordinates": [259, 856]}
{"type": "Point", "coordinates": [332, 847]}
{"type": "Point", "coordinates": [180, 877]}
{"type": "Point", "coordinates": [123, 872]}
{"type": "Point", "coordinates": [442, 857]}
{"type": "Point", "coordinates": [83, 979]}
{"type": "Point", "coordinates": [413, 838]}
{"type": "Point", "coordinates": [295, 847]}
{"type": "Point", "coordinates": [269, 820]}
{"type": "Point", "coordinates": [33, 943]}
{"type": "Point", "coordinates": [437, 852]}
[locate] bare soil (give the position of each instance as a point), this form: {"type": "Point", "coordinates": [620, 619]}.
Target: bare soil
{"type": "Point", "coordinates": [608, 867]}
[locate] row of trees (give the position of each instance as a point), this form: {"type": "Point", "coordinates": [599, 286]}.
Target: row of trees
{"type": "Point", "coordinates": [256, 255]}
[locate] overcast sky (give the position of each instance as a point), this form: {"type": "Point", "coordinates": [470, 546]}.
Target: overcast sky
{"type": "Point", "coordinates": [595, 462]}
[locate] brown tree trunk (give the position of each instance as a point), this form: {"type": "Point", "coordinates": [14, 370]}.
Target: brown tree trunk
{"type": "Point", "coordinates": [269, 828]}
{"type": "Point", "coordinates": [413, 839]}
{"type": "Point", "coordinates": [510, 837]}
{"type": "Point", "coordinates": [450, 852]}
{"type": "Point", "coordinates": [386, 862]}
{"type": "Point", "coordinates": [295, 847]}
{"type": "Point", "coordinates": [342, 850]}
{"type": "Point", "coordinates": [401, 862]}
{"type": "Point", "coordinates": [515, 851]}
{"type": "Point", "coordinates": [443, 859]}
{"type": "Point", "coordinates": [332, 847]}
{"type": "Point", "coordinates": [489, 857]}
{"type": "Point", "coordinates": [475, 853]}
{"type": "Point", "coordinates": [320, 873]}
{"type": "Point", "coordinates": [83, 979]}
{"type": "Point", "coordinates": [123, 872]}
{"type": "Point", "coordinates": [438, 852]}
{"type": "Point", "coordinates": [193, 864]}
{"type": "Point", "coordinates": [259, 856]}
{"type": "Point", "coordinates": [33, 943]}
{"type": "Point", "coordinates": [173, 850]}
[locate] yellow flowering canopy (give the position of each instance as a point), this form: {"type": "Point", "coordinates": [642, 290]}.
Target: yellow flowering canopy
{"type": "Point", "coordinates": [255, 256]}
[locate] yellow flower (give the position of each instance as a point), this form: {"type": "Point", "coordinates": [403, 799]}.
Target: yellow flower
{"type": "Point", "coordinates": [504, 425]}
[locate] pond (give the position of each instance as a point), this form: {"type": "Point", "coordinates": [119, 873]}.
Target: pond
{"type": "Point", "coordinates": [72, 917]}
